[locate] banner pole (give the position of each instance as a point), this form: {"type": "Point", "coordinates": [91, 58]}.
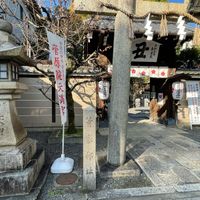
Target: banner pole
{"type": "Point", "coordinates": [57, 48]}
{"type": "Point", "coordinates": [63, 139]}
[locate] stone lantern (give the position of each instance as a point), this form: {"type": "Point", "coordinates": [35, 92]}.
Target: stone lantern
{"type": "Point", "coordinates": [11, 129]}
{"type": "Point", "coordinates": [19, 162]}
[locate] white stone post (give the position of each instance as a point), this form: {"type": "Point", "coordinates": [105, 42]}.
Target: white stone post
{"type": "Point", "coordinates": [89, 148]}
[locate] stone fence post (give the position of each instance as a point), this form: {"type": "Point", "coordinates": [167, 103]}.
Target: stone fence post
{"type": "Point", "coordinates": [89, 148]}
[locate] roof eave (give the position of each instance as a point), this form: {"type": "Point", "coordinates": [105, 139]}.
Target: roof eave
{"type": "Point", "coordinates": [17, 55]}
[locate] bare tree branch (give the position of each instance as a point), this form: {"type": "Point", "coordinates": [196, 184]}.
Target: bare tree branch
{"type": "Point", "coordinates": [80, 83]}
{"type": "Point", "coordinates": [45, 95]}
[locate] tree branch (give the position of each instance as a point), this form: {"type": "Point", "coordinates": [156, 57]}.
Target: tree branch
{"type": "Point", "coordinates": [79, 83]}
{"type": "Point", "coordinates": [45, 95]}
{"type": "Point", "coordinates": [42, 71]}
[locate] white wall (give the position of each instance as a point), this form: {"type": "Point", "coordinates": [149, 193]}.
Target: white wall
{"type": "Point", "coordinates": [35, 110]}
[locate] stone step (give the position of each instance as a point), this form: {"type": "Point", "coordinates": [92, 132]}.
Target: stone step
{"type": "Point", "coordinates": [184, 192]}
{"type": "Point", "coordinates": [20, 182]}
{"type": "Point", "coordinates": [17, 157]}
{"type": "Point", "coordinates": [129, 192]}
{"type": "Point", "coordinates": [105, 170]}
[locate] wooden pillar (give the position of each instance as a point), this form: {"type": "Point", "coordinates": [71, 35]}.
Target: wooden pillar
{"type": "Point", "coordinates": [120, 86]}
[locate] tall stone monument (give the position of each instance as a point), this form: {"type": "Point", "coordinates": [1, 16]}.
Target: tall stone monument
{"type": "Point", "coordinates": [20, 162]}
{"type": "Point", "coordinates": [121, 74]}
{"type": "Point", "coordinates": [120, 86]}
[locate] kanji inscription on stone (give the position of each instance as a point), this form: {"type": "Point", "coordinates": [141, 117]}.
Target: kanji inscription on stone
{"type": "Point", "coordinates": [89, 148]}
{"type": "Point", "coordinates": [2, 118]}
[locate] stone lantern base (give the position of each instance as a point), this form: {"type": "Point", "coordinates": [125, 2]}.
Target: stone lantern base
{"type": "Point", "coordinates": [20, 162]}
{"type": "Point", "coordinates": [20, 166]}
{"type": "Point", "coordinates": [17, 157]}
{"type": "Point", "coordinates": [20, 182]}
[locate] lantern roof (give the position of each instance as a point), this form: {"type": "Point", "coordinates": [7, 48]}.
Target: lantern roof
{"type": "Point", "coordinates": [16, 54]}
{"type": "Point", "coordinates": [9, 50]}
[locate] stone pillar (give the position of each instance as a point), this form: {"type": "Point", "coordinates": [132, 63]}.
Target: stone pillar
{"type": "Point", "coordinates": [89, 148]}
{"type": "Point", "coordinates": [120, 86]}
{"type": "Point", "coordinates": [11, 130]}
{"type": "Point", "coordinates": [183, 116]}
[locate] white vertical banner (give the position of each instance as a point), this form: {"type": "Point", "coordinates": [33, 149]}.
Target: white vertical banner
{"type": "Point", "coordinates": [58, 54]}
{"type": "Point", "coordinates": [193, 97]}
{"type": "Point", "coordinates": [177, 90]}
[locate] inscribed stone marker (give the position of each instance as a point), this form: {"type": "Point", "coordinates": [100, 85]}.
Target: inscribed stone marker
{"type": "Point", "coordinates": [89, 148]}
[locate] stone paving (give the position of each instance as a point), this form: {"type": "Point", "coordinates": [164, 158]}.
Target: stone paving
{"type": "Point", "coordinates": [165, 156]}
{"type": "Point", "coordinates": [174, 162]}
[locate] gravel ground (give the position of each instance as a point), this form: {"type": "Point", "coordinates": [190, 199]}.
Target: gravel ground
{"type": "Point", "coordinates": [52, 191]}
{"type": "Point", "coordinates": [122, 183]}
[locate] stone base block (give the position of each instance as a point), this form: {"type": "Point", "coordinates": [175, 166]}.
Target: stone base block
{"type": "Point", "coordinates": [129, 169]}
{"type": "Point", "coordinates": [21, 182]}
{"type": "Point", "coordinates": [183, 119]}
{"type": "Point", "coordinates": [17, 157]}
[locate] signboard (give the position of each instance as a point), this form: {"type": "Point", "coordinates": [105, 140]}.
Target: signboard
{"type": "Point", "coordinates": [177, 90]}
{"type": "Point", "coordinates": [193, 98]}
{"type": "Point", "coordinates": [58, 54]}
{"type": "Point", "coordinates": [153, 72]}
{"type": "Point", "coordinates": [104, 90]}
{"type": "Point", "coordinates": [144, 50]}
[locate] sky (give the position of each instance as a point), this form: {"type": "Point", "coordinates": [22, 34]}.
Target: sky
{"type": "Point", "coordinates": [46, 2]}
{"type": "Point", "coordinates": [176, 1]}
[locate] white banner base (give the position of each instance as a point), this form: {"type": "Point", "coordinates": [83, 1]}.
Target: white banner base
{"type": "Point", "coordinates": [62, 165]}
